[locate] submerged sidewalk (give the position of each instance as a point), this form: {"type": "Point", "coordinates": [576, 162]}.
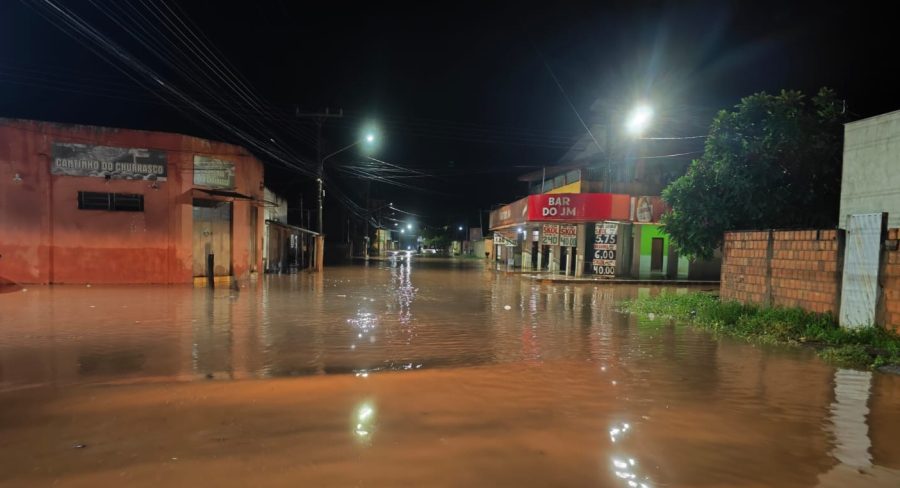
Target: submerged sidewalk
{"type": "Point", "coordinates": [546, 277]}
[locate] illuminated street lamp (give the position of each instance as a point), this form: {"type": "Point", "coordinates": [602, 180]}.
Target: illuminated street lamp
{"type": "Point", "coordinates": [409, 226]}
{"type": "Point", "coordinates": [369, 140]}
{"type": "Point", "coordinates": [639, 119]}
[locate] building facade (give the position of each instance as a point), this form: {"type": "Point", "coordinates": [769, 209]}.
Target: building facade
{"type": "Point", "coordinates": [286, 248]}
{"type": "Point", "coordinates": [609, 235]}
{"type": "Point", "coordinates": [870, 182]}
{"type": "Point", "coordinates": [569, 225]}
{"type": "Point", "coordinates": [85, 204]}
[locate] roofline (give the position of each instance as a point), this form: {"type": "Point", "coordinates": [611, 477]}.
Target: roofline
{"type": "Point", "coordinates": [13, 120]}
{"type": "Point", "coordinates": [289, 226]}
{"type": "Point", "coordinates": [551, 171]}
{"type": "Point", "coordinates": [867, 120]}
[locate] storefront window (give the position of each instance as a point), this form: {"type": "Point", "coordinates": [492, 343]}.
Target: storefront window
{"type": "Point", "coordinates": [115, 202]}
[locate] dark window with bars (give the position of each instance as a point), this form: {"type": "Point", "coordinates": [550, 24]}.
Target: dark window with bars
{"type": "Point", "coordinates": [114, 202]}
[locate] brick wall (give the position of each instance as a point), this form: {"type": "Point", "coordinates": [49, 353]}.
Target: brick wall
{"type": "Point", "coordinates": [744, 267]}
{"type": "Point", "coordinates": [806, 270]}
{"type": "Point", "coordinates": [789, 268]}
{"type": "Point", "coordinates": [890, 281]}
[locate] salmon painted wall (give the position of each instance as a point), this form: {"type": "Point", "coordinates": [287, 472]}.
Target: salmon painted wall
{"type": "Point", "coordinates": [45, 238]}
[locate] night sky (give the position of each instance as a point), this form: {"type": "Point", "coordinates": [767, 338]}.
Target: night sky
{"type": "Point", "coordinates": [460, 92]}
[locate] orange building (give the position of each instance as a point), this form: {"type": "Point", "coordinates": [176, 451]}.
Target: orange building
{"type": "Point", "coordinates": [84, 204]}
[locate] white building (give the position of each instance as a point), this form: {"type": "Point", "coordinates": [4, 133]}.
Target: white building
{"type": "Point", "coordinates": [871, 172]}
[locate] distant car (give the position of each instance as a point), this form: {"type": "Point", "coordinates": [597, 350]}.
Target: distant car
{"type": "Point", "coordinates": [430, 251]}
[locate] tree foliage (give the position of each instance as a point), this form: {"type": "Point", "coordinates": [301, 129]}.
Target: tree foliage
{"type": "Point", "coordinates": [772, 162]}
{"type": "Point", "coordinates": [436, 237]}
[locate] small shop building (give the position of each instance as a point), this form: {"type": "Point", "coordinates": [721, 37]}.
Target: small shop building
{"type": "Point", "coordinates": [588, 216]}
{"type": "Point", "coordinates": [603, 234]}
{"type": "Point", "coordinates": [86, 204]}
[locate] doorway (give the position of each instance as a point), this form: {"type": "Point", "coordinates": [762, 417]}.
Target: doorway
{"type": "Point", "coordinates": [254, 238]}
{"type": "Point", "coordinates": [656, 255]}
{"type": "Point", "coordinates": [212, 238]}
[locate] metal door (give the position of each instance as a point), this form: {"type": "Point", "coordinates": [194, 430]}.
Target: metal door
{"type": "Point", "coordinates": [859, 288]}
{"type": "Point", "coordinates": [254, 239]}
{"type": "Point", "coordinates": [656, 254]}
{"type": "Point", "coordinates": [212, 236]}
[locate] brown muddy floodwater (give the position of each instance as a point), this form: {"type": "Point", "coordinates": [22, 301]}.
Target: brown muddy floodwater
{"type": "Point", "coordinates": [429, 375]}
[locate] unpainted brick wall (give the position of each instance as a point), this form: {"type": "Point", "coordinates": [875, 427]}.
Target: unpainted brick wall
{"type": "Point", "coordinates": [789, 268]}
{"type": "Point", "coordinates": [744, 267]}
{"type": "Point", "coordinates": [890, 281]}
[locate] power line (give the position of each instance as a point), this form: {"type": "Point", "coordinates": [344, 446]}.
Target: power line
{"type": "Point", "coordinates": [672, 138]}
{"type": "Point", "coordinates": [80, 30]}
{"type": "Point", "coordinates": [667, 155]}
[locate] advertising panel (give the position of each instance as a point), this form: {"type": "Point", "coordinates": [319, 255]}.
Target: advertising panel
{"type": "Point", "coordinates": [605, 249]}
{"type": "Point", "coordinates": [647, 209]}
{"type": "Point", "coordinates": [578, 207]}
{"type": "Point", "coordinates": [501, 240]}
{"type": "Point", "coordinates": [121, 163]}
{"type": "Point", "coordinates": [509, 215]}
{"type": "Point", "coordinates": [568, 235]}
{"type": "Point", "coordinates": [550, 234]}
{"type": "Point", "coordinates": [213, 173]}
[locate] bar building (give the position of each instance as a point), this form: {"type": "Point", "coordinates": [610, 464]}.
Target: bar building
{"type": "Point", "coordinates": [585, 215]}
{"type": "Point", "coordinates": [86, 204]}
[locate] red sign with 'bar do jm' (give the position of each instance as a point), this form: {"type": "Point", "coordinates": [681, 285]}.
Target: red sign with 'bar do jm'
{"type": "Point", "coordinates": [578, 207]}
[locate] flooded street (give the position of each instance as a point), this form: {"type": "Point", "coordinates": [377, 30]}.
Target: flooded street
{"type": "Point", "coordinates": [430, 374]}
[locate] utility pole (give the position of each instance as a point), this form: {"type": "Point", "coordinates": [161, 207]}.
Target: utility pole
{"type": "Point", "coordinates": [481, 222]}
{"type": "Point", "coordinates": [319, 119]}
{"type": "Point", "coordinates": [368, 216]}
{"type": "Point", "coordinates": [609, 156]}
{"type": "Point", "coordinates": [300, 251]}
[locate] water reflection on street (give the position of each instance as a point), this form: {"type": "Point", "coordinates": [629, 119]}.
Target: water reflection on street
{"type": "Point", "coordinates": [421, 374]}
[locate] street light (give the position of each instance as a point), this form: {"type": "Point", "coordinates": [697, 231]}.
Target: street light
{"type": "Point", "coordinates": [409, 226]}
{"type": "Point", "coordinates": [639, 119]}
{"type": "Point", "coordinates": [369, 138]}
{"type": "Point", "coordinates": [460, 227]}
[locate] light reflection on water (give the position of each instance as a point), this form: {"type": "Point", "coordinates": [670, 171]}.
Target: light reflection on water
{"type": "Point", "coordinates": [648, 403]}
{"type": "Point", "coordinates": [364, 420]}
{"type": "Point", "coordinates": [391, 316]}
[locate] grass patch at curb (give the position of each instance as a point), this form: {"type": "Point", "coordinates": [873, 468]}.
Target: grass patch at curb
{"type": "Point", "coordinates": [865, 348]}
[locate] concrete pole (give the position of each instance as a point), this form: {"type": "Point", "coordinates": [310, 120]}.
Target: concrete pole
{"type": "Point", "coordinates": [320, 239]}
{"type": "Point", "coordinates": [540, 256]}
{"type": "Point", "coordinates": [320, 252]}
{"type": "Point", "coordinates": [569, 261]}
{"type": "Point", "coordinates": [581, 245]}
{"type": "Point", "coordinates": [554, 258]}
{"type": "Point", "coordinates": [526, 253]}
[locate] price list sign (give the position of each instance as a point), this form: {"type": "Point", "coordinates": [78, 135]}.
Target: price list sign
{"type": "Point", "coordinates": [605, 248]}
{"type": "Point", "coordinates": [568, 235]}
{"type": "Point", "coordinates": [550, 234]}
